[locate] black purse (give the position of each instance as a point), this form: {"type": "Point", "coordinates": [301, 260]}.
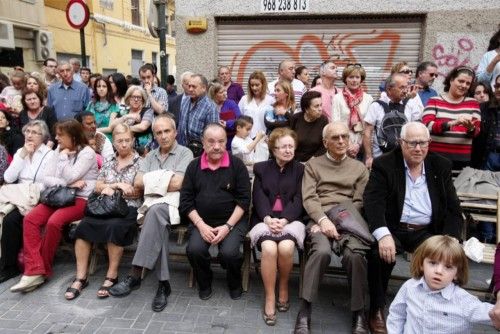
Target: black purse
{"type": "Point", "coordinates": [58, 196]}
{"type": "Point", "coordinates": [103, 206]}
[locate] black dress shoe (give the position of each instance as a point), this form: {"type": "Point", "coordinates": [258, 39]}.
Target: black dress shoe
{"type": "Point", "coordinates": [205, 293]}
{"type": "Point", "coordinates": [160, 300]}
{"type": "Point", "coordinates": [8, 273]}
{"type": "Point", "coordinates": [359, 323]}
{"type": "Point", "coordinates": [236, 293]}
{"type": "Point", "coordinates": [124, 288]}
{"type": "Point", "coordinates": [302, 324]}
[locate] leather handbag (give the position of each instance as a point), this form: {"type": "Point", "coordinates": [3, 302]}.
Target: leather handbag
{"type": "Point", "coordinates": [58, 196]}
{"type": "Point", "coordinates": [103, 206]}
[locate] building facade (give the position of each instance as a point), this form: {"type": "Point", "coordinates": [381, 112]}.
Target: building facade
{"type": "Point", "coordinates": [257, 35]}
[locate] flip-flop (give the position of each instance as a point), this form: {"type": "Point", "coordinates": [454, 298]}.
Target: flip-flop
{"type": "Point", "coordinates": [76, 292]}
{"type": "Point", "coordinates": [106, 288]}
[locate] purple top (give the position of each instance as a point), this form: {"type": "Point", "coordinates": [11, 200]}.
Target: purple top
{"type": "Point", "coordinates": [235, 92]}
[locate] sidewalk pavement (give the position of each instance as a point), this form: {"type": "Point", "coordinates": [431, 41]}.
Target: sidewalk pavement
{"type": "Point", "coordinates": [46, 311]}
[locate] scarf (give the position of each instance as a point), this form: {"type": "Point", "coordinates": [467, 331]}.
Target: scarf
{"type": "Point", "coordinates": [353, 102]}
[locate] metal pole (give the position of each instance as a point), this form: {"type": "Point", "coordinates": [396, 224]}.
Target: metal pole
{"type": "Point", "coordinates": [82, 46]}
{"type": "Point", "coordinates": [162, 29]}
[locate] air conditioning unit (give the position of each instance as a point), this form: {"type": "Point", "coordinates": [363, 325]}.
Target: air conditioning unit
{"type": "Point", "coordinates": [44, 45]}
{"type": "Point", "coordinates": [7, 35]}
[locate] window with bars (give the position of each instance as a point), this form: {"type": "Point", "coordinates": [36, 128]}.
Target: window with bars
{"type": "Point", "coordinates": [136, 12]}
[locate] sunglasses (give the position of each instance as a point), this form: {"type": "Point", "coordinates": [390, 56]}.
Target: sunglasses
{"type": "Point", "coordinates": [354, 65]}
{"type": "Point", "coordinates": [406, 72]}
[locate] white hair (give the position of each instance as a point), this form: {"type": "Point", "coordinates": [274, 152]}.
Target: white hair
{"type": "Point", "coordinates": [415, 125]}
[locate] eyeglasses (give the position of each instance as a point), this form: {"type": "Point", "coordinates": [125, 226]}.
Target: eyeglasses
{"type": "Point", "coordinates": [414, 143]}
{"type": "Point", "coordinates": [136, 98]}
{"type": "Point", "coordinates": [354, 65]}
{"type": "Point", "coordinates": [285, 147]}
{"type": "Point", "coordinates": [406, 72]}
{"type": "Point", "coordinates": [433, 75]}
{"type": "Point", "coordinates": [32, 132]}
{"type": "Point", "coordinates": [344, 136]}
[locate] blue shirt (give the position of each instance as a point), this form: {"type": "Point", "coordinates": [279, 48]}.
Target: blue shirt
{"type": "Point", "coordinates": [67, 101]}
{"type": "Point", "coordinates": [417, 207]}
{"type": "Point", "coordinates": [417, 309]}
{"type": "Point", "coordinates": [425, 94]}
{"type": "Point", "coordinates": [194, 116]}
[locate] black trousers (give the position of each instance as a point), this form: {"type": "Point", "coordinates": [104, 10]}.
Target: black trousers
{"type": "Point", "coordinates": [12, 238]}
{"type": "Point", "coordinates": [379, 271]}
{"type": "Point", "coordinates": [229, 254]}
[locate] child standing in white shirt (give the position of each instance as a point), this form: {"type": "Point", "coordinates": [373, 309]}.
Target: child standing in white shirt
{"type": "Point", "coordinates": [243, 146]}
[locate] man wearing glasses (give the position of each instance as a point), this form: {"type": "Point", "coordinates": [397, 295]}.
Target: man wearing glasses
{"type": "Point", "coordinates": [331, 179]}
{"type": "Point", "coordinates": [409, 197]}
{"type": "Point", "coordinates": [426, 73]}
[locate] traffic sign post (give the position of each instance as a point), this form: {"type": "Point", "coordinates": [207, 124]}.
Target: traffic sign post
{"type": "Point", "coordinates": [77, 15]}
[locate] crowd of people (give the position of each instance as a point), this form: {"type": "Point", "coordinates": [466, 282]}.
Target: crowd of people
{"type": "Point", "coordinates": [333, 170]}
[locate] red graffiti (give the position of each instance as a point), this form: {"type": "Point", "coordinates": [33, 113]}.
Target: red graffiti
{"type": "Point", "coordinates": [459, 56]}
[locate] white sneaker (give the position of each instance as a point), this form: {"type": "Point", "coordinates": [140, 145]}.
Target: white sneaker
{"type": "Point", "coordinates": [28, 283]}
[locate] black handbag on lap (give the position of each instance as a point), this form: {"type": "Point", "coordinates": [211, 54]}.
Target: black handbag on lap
{"type": "Point", "coordinates": [103, 206]}
{"type": "Point", "coordinates": [58, 196]}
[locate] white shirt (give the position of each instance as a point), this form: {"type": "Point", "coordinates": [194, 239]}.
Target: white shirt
{"type": "Point", "coordinates": [482, 74]}
{"type": "Point", "coordinates": [23, 170]}
{"type": "Point", "coordinates": [239, 148]}
{"type": "Point", "coordinates": [417, 309]}
{"type": "Point", "coordinates": [376, 113]}
{"type": "Point", "coordinates": [342, 113]}
{"type": "Point", "coordinates": [256, 111]}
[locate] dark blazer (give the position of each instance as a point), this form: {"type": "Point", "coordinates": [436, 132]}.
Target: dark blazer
{"type": "Point", "coordinates": [174, 107]}
{"type": "Point", "coordinates": [483, 144]}
{"type": "Point", "coordinates": [385, 192]}
{"type": "Point", "coordinates": [269, 182]}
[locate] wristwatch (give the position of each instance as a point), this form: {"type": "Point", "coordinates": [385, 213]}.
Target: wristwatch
{"type": "Point", "coordinates": [229, 226]}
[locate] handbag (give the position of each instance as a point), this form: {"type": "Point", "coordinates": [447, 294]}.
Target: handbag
{"type": "Point", "coordinates": [103, 206]}
{"type": "Point", "coordinates": [58, 196]}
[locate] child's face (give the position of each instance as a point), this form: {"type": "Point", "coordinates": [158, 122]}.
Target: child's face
{"type": "Point", "coordinates": [243, 131]}
{"type": "Point", "coordinates": [438, 274]}
{"type": "Point", "coordinates": [93, 144]}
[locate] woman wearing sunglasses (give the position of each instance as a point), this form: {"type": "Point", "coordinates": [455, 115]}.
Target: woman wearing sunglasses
{"type": "Point", "coordinates": [351, 104]}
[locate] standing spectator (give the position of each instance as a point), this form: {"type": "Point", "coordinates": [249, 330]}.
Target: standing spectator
{"type": "Point", "coordinates": [157, 98]}
{"type": "Point", "coordinates": [489, 66]}
{"type": "Point", "coordinates": [308, 125]}
{"type": "Point", "coordinates": [453, 118]}
{"type": "Point", "coordinates": [196, 112]}
{"type": "Point", "coordinates": [328, 75]}
{"type": "Point", "coordinates": [68, 97]}
{"type": "Point", "coordinates": [75, 65]}
{"type": "Point", "coordinates": [171, 86]}
{"type": "Point", "coordinates": [28, 166]}
{"type": "Point", "coordinates": [104, 107]}
{"type": "Point", "coordinates": [228, 110]}
{"type": "Point", "coordinates": [10, 136]}
{"type": "Point", "coordinates": [302, 74]}
{"type": "Point", "coordinates": [278, 115]}
{"type": "Point", "coordinates": [316, 81]}
{"type": "Point", "coordinates": [217, 213]}
{"type": "Point", "coordinates": [396, 88]}
{"type": "Point", "coordinates": [277, 218]}
{"type": "Point", "coordinates": [234, 89]}
{"type": "Point", "coordinates": [119, 88]}
{"type": "Point", "coordinates": [255, 103]}
{"type": "Point", "coordinates": [34, 84]}
{"type": "Point", "coordinates": [74, 165]}
{"type": "Point", "coordinates": [286, 72]}
{"type": "Point", "coordinates": [117, 232]}
{"type": "Point", "coordinates": [425, 75]}
{"type": "Point", "coordinates": [50, 71]}
{"type": "Point", "coordinates": [481, 92]}
{"type": "Point", "coordinates": [33, 109]}
{"type": "Point", "coordinates": [174, 102]}
{"type": "Point", "coordinates": [11, 95]}
{"type": "Point", "coordinates": [351, 106]}
{"type": "Point", "coordinates": [85, 74]}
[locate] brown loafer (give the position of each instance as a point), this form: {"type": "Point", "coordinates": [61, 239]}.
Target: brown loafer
{"type": "Point", "coordinates": [359, 323]}
{"type": "Point", "coordinates": [377, 322]}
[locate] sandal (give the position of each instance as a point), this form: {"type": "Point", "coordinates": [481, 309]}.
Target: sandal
{"type": "Point", "coordinates": [76, 292]}
{"type": "Point", "coordinates": [105, 289]}
{"type": "Point", "coordinates": [283, 306]}
{"type": "Point", "coordinates": [269, 320]}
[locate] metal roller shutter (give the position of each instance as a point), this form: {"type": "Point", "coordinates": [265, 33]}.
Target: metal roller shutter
{"type": "Point", "coordinates": [247, 45]}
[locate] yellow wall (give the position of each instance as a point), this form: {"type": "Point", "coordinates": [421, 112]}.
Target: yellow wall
{"type": "Point", "coordinates": [109, 46]}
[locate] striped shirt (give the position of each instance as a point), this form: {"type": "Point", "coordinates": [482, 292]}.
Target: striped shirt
{"type": "Point", "coordinates": [453, 142]}
{"type": "Point", "coordinates": [417, 309]}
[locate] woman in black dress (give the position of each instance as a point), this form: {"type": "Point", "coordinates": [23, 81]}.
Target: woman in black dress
{"type": "Point", "coordinates": [116, 174]}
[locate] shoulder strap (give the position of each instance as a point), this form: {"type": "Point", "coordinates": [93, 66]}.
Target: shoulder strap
{"type": "Point", "coordinates": [34, 179]}
{"type": "Point", "coordinates": [384, 105]}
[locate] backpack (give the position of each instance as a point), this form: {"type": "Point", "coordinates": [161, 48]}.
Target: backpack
{"type": "Point", "coordinates": [389, 131]}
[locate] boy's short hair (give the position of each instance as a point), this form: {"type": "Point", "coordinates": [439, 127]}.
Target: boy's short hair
{"type": "Point", "coordinates": [243, 121]}
{"type": "Point", "coordinates": [441, 248]}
